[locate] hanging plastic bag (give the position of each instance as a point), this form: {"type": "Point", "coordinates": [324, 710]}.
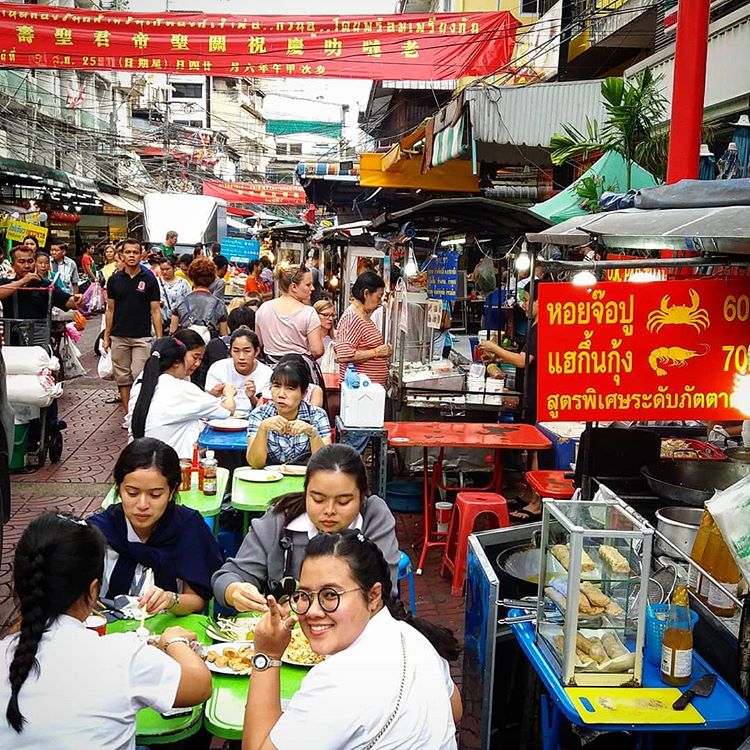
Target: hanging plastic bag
{"type": "Point", "coordinates": [93, 300]}
{"type": "Point", "coordinates": [104, 368]}
{"type": "Point", "coordinates": [70, 355]}
{"type": "Point", "coordinates": [328, 362]}
{"type": "Point", "coordinates": [730, 509]}
{"type": "Point", "coordinates": [485, 279]}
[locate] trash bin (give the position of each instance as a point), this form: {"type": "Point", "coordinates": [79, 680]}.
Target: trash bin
{"type": "Point", "coordinates": [20, 446]}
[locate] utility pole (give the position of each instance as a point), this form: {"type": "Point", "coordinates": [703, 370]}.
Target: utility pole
{"type": "Point", "coordinates": [691, 50]}
{"type": "Point", "coordinates": [166, 145]}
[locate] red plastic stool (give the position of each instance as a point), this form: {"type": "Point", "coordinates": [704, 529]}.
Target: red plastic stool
{"type": "Point", "coordinates": [468, 506]}
{"type": "Point", "coordinates": [550, 484]}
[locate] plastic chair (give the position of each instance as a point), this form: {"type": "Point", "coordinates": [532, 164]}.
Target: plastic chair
{"type": "Point", "coordinates": [550, 484]}
{"type": "Point", "coordinates": [405, 570]}
{"type": "Point", "coordinates": [468, 506]}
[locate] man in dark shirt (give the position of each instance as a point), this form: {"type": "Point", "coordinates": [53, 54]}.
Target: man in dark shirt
{"type": "Point", "coordinates": [132, 309]}
{"type": "Point", "coordinates": [27, 296]}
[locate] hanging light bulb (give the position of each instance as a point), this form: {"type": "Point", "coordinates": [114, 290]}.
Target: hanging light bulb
{"type": "Point", "coordinates": [523, 261]}
{"type": "Point", "coordinates": [333, 282]}
{"type": "Point", "coordinates": [740, 398]}
{"type": "Point", "coordinates": [584, 278]}
{"type": "Point", "coordinates": [411, 268]}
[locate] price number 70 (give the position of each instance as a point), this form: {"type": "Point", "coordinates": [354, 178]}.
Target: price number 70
{"type": "Point", "coordinates": [737, 359]}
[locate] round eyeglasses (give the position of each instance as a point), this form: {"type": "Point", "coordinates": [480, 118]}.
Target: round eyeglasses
{"type": "Point", "coordinates": [328, 599]}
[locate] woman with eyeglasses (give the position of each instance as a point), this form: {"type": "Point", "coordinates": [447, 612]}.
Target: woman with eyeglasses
{"type": "Point", "coordinates": [335, 497]}
{"type": "Point", "coordinates": [63, 686]}
{"type": "Point", "coordinates": [327, 314]}
{"type": "Point", "coordinates": [386, 681]}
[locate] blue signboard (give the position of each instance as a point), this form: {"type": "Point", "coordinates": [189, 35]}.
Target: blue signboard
{"type": "Point", "coordinates": [237, 250]}
{"type": "Point", "coordinates": [442, 276]}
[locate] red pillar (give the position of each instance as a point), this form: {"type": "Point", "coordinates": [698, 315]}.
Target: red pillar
{"type": "Point", "coordinates": [691, 48]}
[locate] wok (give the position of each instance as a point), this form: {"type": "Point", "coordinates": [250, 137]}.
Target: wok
{"type": "Point", "coordinates": [692, 482]}
{"type": "Point", "coordinates": [521, 565]}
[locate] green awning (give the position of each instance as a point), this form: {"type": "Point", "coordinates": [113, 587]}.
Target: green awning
{"type": "Point", "coordinates": [18, 168]}
{"type": "Point", "coordinates": [318, 127]}
{"type": "Point", "coordinates": [612, 168]}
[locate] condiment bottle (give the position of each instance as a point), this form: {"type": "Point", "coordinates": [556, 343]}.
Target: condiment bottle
{"type": "Point", "coordinates": [697, 554]}
{"type": "Point", "coordinates": [724, 570]}
{"type": "Point", "coordinates": [677, 644]}
{"type": "Point", "coordinates": [196, 467]}
{"type": "Point", "coordinates": [209, 465]}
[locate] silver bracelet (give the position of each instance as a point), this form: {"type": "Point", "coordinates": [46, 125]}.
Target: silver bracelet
{"type": "Point", "coordinates": [179, 639]}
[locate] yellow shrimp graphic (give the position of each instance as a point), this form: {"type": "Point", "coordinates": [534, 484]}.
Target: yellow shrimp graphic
{"type": "Point", "coordinates": [672, 356]}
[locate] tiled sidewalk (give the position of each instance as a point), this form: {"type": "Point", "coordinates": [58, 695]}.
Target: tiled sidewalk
{"type": "Point", "coordinates": [93, 439]}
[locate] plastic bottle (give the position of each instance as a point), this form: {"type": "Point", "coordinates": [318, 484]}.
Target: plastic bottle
{"type": "Point", "coordinates": [351, 376]}
{"type": "Point", "coordinates": [723, 568]}
{"type": "Point", "coordinates": [677, 644]}
{"type": "Point", "coordinates": [196, 468]}
{"type": "Point", "coordinates": [210, 465]}
{"type": "Point", "coordinates": [697, 554]}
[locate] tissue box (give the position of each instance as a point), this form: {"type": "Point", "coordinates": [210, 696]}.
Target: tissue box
{"type": "Point", "coordinates": [363, 407]}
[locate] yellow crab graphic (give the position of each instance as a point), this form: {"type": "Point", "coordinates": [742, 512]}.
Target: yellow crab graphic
{"type": "Point", "coordinates": [689, 315]}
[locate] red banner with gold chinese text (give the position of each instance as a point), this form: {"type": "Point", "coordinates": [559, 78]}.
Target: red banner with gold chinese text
{"type": "Point", "coordinates": [407, 46]}
{"type": "Point", "coordinates": [667, 350]}
{"type": "Point", "coordinates": [256, 192]}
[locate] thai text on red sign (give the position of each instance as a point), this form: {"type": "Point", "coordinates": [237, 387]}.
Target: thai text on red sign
{"type": "Point", "coordinates": [656, 351]}
{"type": "Point", "coordinates": [412, 46]}
{"type": "Point", "coordinates": [256, 192]}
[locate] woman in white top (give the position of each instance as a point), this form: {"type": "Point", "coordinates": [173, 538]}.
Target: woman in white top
{"type": "Point", "coordinates": [288, 324]}
{"type": "Point", "coordinates": [164, 405]}
{"type": "Point", "coordinates": [87, 689]}
{"type": "Point", "coordinates": [386, 676]}
{"type": "Point", "coordinates": [241, 369]}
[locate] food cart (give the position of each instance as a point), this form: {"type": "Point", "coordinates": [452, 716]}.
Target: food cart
{"type": "Point", "coordinates": [510, 570]}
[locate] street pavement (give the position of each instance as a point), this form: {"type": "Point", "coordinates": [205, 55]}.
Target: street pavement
{"type": "Point", "coordinates": [77, 484]}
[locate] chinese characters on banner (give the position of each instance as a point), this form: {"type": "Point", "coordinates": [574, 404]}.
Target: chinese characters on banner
{"type": "Point", "coordinates": [442, 276]}
{"type": "Point", "coordinates": [657, 351]}
{"type": "Point", "coordinates": [414, 46]}
{"type": "Point", "coordinates": [256, 192]}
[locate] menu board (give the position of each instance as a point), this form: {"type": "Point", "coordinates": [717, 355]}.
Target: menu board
{"type": "Point", "coordinates": [442, 276]}
{"type": "Point", "coordinates": [666, 350]}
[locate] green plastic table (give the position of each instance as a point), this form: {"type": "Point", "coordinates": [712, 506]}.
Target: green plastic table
{"type": "Point", "coordinates": [225, 709]}
{"type": "Point", "coordinates": [256, 497]}
{"type": "Point", "coordinates": [151, 727]}
{"type": "Point", "coordinates": [207, 505]}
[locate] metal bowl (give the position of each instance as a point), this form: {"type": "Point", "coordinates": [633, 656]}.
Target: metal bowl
{"type": "Point", "coordinates": [739, 455]}
{"type": "Point", "coordinates": [680, 526]}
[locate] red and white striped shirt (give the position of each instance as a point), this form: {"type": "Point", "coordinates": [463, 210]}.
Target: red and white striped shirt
{"type": "Point", "coordinates": [355, 333]}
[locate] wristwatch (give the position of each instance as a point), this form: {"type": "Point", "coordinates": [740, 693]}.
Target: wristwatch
{"type": "Point", "coordinates": [261, 662]}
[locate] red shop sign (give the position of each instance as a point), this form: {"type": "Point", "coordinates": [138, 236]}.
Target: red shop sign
{"type": "Point", "coordinates": [256, 192]}
{"type": "Point", "coordinates": [655, 351]}
{"type": "Point", "coordinates": [431, 46]}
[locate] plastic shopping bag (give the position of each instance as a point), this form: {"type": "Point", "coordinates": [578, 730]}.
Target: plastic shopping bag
{"type": "Point", "coordinates": [730, 509]}
{"type": "Point", "coordinates": [93, 300]}
{"type": "Point", "coordinates": [328, 363]}
{"type": "Point", "coordinates": [70, 355]}
{"type": "Point", "coordinates": [485, 280]}
{"type": "Point", "coordinates": [104, 368]}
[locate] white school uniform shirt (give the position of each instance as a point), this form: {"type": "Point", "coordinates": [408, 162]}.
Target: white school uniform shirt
{"type": "Point", "coordinates": [175, 411]}
{"type": "Point", "coordinates": [345, 701]}
{"type": "Point", "coordinates": [88, 691]}
{"type": "Point", "coordinates": [223, 371]}
{"type": "Point", "coordinates": [304, 524]}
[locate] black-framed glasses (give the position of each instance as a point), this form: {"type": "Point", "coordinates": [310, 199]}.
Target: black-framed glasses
{"type": "Point", "coordinates": [328, 599]}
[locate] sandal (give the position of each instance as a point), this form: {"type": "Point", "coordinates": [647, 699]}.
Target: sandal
{"type": "Point", "coordinates": [524, 516]}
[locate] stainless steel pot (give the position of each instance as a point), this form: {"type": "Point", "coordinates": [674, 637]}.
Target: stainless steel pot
{"type": "Point", "coordinates": [680, 526]}
{"type": "Point", "coordinates": [740, 455]}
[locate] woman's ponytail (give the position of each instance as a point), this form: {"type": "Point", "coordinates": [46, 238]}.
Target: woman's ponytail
{"type": "Point", "coordinates": [56, 561]}
{"type": "Point", "coordinates": [442, 639]}
{"type": "Point", "coordinates": [165, 352]}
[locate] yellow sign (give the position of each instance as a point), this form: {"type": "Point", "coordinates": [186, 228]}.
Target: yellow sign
{"type": "Point", "coordinates": [17, 231]}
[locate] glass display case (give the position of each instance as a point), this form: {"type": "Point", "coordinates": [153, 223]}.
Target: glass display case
{"type": "Point", "coordinates": [593, 584]}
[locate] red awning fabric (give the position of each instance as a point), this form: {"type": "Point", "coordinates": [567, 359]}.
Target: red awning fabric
{"type": "Point", "coordinates": [236, 211]}
{"type": "Point", "coordinates": [256, 192]}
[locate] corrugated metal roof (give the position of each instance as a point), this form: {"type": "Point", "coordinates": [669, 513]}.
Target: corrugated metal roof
{"type": "Point", "coordinates": [531, 115]}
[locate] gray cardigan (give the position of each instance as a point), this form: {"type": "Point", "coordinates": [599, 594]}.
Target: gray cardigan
{"type": "Point", "coordinates": [261, 558]}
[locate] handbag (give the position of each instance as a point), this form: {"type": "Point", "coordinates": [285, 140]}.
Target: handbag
{"type": "Point", "coordinates": [374, 741]}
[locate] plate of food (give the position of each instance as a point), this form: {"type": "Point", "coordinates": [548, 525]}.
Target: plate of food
{"type": "Point", "coordinates": [299, 653]}
{"type": "Point", "coordinates": [228, 425]}
{"type": "Point", "coordinates": [233, 629]}
{"type": "Point", "coordinates": [235, 657]}
{"type": "Point", "coordinates": [247, 474]}
{"type": "Point", "coordinates": [289, 470]}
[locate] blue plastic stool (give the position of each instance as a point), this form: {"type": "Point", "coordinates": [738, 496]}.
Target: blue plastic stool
{"type": "Point", "coordinates": [405, 570]}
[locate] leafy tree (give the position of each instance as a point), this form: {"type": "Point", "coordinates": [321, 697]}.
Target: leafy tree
{"type": "Point", "coordinates": [634, 109]}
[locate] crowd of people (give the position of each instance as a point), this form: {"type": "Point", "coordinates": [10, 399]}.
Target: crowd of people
{"type": "Point", "coordinates": [326, 557]}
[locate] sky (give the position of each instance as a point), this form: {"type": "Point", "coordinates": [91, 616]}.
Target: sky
{"type": "Point", "coordinates": [352, 92]}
